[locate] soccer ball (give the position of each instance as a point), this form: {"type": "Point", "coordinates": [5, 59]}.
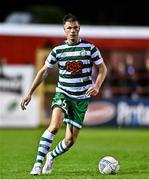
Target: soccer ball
{"type": "Point", "coordinates": [108, 165]}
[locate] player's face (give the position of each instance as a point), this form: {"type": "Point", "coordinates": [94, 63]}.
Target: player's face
{"type": "Point", "coordinates": [72, 30]}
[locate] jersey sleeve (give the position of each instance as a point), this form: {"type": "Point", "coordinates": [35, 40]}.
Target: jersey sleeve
{"type": "Point", "coordinates": [51, 59]}
{"type": "Point", "coordinates": [96, 56]}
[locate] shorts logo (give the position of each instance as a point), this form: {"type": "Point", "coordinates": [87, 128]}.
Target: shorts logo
{"type": "Point", "coordinates": [75, 67]}
{"type": "Point", "coordinates": [59, 102]}
{"type": "Point", "coordinates": [62, 104]}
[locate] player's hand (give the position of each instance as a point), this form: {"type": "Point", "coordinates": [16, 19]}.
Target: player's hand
{"type": "Point", "coordinates": [25, 102]}
{"type": "Point", "coordinates": [92, 91]}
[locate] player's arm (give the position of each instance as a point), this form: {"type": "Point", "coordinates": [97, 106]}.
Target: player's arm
{"type": "Point", "coordinates": [93, 91]}
{"type": "Point", "coordinates": [41, 75]}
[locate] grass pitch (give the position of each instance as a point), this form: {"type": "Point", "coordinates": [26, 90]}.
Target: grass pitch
{"type": "Point", "coordinates": [18, 149]}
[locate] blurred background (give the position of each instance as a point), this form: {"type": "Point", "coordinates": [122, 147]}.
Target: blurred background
{"type": "Point", "coordinates": [30, 29]}
{"type": "Point", "coordinates": [95, 13]}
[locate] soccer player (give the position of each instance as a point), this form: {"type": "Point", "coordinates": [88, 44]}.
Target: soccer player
{"type": "Point", "coordinates": [75, 58]}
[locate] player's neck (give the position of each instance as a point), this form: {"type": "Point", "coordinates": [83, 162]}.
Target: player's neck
{"type": "Point", "coordinates": [73, 41]}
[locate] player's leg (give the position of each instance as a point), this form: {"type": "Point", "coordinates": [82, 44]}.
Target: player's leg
{"type": "Point", "coordinates": [63, 146]}
{"type": "Point", "coordinates": [47, 138]}
{"type": "Point", "coordinates": [74, 116]}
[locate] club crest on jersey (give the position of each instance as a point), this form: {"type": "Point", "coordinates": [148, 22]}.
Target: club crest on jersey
{"type": "Point", "coordinates": [83, 52]}
{"type": "Point", "coordinates": [75, 67]}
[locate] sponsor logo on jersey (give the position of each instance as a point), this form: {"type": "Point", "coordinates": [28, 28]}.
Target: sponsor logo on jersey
{"type": "Point", "coordinates": [75, 67]}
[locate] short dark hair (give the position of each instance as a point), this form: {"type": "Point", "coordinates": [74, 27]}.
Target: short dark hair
{"type": "Point", "coordinates": [69, 18]}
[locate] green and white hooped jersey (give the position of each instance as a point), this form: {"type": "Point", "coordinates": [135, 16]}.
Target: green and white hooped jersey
{"type": "Point", "coordinates": [75, 67]}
